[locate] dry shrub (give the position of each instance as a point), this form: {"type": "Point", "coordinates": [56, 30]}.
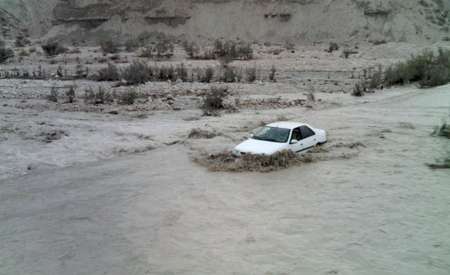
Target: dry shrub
{"type": "Point", "coordinates": [225, 50]}
{"type": "Point", "coordinates": [53, 96]}
{"type": "Point", "coordinates": [272, 74]}
{"type": "Point", "coordinates": [359, 89]}
{"type": "Point", "coordinates": [21, 41]}
{"type": "Point", "coordinates": [251, 74]}
{"type": "Point", "coordinates": [128, 97]}
{"type": "Point", "coordinates": [53, 48]}
{"type": "Point", "coordinates": [213, 101]}
{"type": "Point", "coordinates": [443, 130]}
{"type": "Point", "coordinates": [333, 46]}
{"type": "Point", "coordinates": [427, 68]}
{"type": "Point", "coordinates": [131, 45]}
{"type": "Point", "coordinates": [229, 75]}
{"type": "Point", "coordinates": [109, 73]}
{"type": "Point", "coordinates": [109, 46]}
{"type": "Point", "coordinates": [197, 133]}
{"type": "Point", "coordinates": [97, 97]}
{"type": "Point", "coordinates": [70, 94]}
{"type": "Point", "coordinates": [5, 53]}
{"type": "Point", "coordinates": [376, 79]}
{"type": "Point", "coordinates": [23, 53]}
{"type": "Point", "coordinates": [208, 75]}
{"type": "Point", "coordinates": [162, 49]}
{"type": "Point", "coordinates": [137, 73]}
{"type": "Point", "coordinates": [181, 72]}
{"type": "Point", "coordinates": [227, 162]}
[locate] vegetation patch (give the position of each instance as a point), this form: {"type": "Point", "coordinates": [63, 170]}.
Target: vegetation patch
{"type": "Point", "coordinates": [5, 53]}
{"type": "Point", "coordinates": [128, 97]}
{"type": "Point", "coordinates": [53, 48]}
{"type": "Point", "coordinates": [109, 46]}
{"type": "Point", "coordinates": [100, 96]}
{"type": "Point", "coordinates": [226, 50]}
{"type": "Point", "coordinates": [428, 69]}
{"type": "Point", "coordinates": [214, 101]}
{"type": "Point", "coordinates": [443, 130]}
{"type": "Point", "coordinates": [109, 73]}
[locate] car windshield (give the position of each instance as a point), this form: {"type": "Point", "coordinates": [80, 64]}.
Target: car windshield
{"type": "Point", "coordinates": [273, 134]}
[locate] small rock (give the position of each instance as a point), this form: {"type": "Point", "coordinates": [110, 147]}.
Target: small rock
{"type": "Point", "coordinates": [52, 135]}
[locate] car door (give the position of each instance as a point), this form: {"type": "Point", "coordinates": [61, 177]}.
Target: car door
{"type": "Point", "coordinates": [296, 136]}
{"type": "Point", "coordinates": [309, 138]}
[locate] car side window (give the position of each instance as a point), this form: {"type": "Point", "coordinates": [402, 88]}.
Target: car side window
{"type": "Point", "coordinates": [306, 132]}
{"type": "Point", "coordinates": [296, 134]}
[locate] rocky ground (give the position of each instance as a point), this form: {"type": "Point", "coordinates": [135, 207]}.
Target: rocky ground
{"type": "Point", "coordinates": [115, 189]}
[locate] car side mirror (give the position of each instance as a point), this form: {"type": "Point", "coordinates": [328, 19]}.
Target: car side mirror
{"type": "Point", "coordinates": [294, 141]}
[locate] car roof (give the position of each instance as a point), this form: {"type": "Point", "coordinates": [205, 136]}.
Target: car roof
{"type": "Point", "coordinates": [286, 124]}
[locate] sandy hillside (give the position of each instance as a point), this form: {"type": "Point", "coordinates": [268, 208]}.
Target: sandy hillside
{"type": "Point", "coordinates": [304, 21]}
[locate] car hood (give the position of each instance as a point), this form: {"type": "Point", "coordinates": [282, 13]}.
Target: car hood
{"type": "Point", "coordinates": [260, 147]}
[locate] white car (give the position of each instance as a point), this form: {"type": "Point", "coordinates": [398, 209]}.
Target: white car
{"type": "Point", "coordinates": [280, 136]}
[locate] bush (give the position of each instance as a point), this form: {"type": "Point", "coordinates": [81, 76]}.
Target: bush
{"type": "Point", "coordinates": [108, 46]}
{"type": "Point", "coordinates": [164, 49]}
{"type": "Point", "coordinates": [131, 45]}
{"type": "Point", "coordinates": [99, 97]}
{"type": "Point", "coordinates": [137, 73]}
{"type": "Point", "coordinates": [224, 50]}
{"type": "Point", "coordinates": [443, 130]}
{"type": "Point", "coordinates": [272, 74]}
{"type": "Point", "coordinates": [147, 52]}
{"type": "Point", "coordinates": [213, 101]}
{"type": "Point", "coordinates": [229, 75]}
{"type": "Point", "coordinates": [251, 74]}
{"type": "Point", "coordinates": [128, 97]}
{"type": "Point", "coordinates": [53, 96]}
{"type": "Point", "coordinates": [208, 75]}
{"type": "Point", "coordinates": [110, 73]}
{"type": "Point", "coordinates": [191, 49]}
{"type": "Point", "coordinates": [53, 48]}
{"type": "Point", "coordinates": [332, 47]}
{"type": "Point", "coordinates": [21, 41]}
{"type": "Point", "coordinates": [427, 68]}
{"type": "Point", "coordinates": [181, 72]}
{"type": "Point", "coordinates": [359, 89]}
{"type": "Point", "coordinates": [70, 94]}
{"type": "Point", "coordinates": [5, 54]}
{"type": "Point", "coordinates": [230, 50]}
{"type": "Point", "coordinates": [376, 79]}
{"type": "Point", "coordinates": [435, 76]}
{"type": "Point", "coordinates": [81, 72]}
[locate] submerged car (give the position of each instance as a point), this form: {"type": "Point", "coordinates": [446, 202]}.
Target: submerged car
{"type": "Point", "coordinates": [280, 136]}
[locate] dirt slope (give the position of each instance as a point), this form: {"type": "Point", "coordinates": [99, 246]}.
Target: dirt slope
{"type": "Point", "coordinates": [295, 20]}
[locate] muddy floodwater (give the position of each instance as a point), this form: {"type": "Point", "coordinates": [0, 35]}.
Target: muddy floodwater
{"type": "Point", "coordinates": [380, 210]}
